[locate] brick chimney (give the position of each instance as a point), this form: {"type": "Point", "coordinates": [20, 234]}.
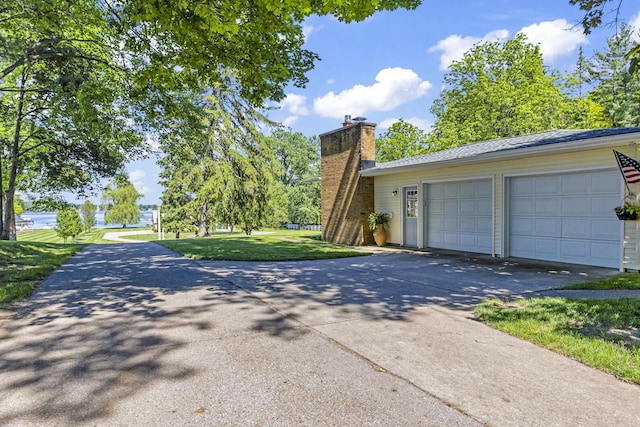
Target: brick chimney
{"type": "Point", "coordinates": [347, 197]}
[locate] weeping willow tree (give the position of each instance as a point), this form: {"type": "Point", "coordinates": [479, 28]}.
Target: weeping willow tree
{"type": "Point", "coordinates": [121, 201]}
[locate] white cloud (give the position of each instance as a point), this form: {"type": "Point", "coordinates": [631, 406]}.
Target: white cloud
{"type": "Point", "coordinates": [136, 177]}
{"type": "Point", "coordinates": [307, 30]}
{"type": "Point", "coordinates": [296, 104]}
{"type": "Point", "coordinates": [454, 47]}
{"type": "Point", "coordinates": [152, 142]}
{"type": "Point", "coordinates": [386, 123]}
{"type": "Point", "coordinates": [393, 87]}
{"type": "Point", "coordinates": [290, 121]}
{"type": "Point", "coordinates": [331, 81]}
{"type": "Point", "coordinates": [423, 124]}
{"type": "Point", "coordinates": [556, 38]}
{"type": "Point", "coordinates": [635, 24]}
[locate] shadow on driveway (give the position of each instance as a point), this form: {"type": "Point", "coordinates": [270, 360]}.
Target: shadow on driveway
{"type": "Point", "coordinates": [392, 284]}
{"type": "Point", "coordinates": [118, 323]}
{"type": "Point", "coordinates": [106, 325]}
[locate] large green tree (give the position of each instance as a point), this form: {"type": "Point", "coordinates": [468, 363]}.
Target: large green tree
{"type": "Point", "coordinates": [121, 201]}
{"type": "Point", "coordinates": [217, 166]}
{"type": "Point", "coordinates": [583, 112]}
{"type": "Point", "coordinates": [298, 164]}
{"type": "Point", "coordinates": [296, 155]}
{"type": "Point", "coordinates": [616, 89]}
{"type": "Point", "coordinates": [191, 42]}
{"type": "Point", "coordinates": [63, 99]}
{"type": "Point", "coordinates": [179, 204]}
{"type": "Point", "coordinates": [401, 140]}
{"type": "Point", "coordinates": [497, 90]}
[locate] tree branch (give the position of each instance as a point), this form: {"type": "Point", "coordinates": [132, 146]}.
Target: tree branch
{"type": "Point", "coordinates": [40, 144]}
{"type": "Point", "coordinates": [36, 54]}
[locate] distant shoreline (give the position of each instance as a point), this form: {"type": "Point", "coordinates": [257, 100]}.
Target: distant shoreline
{"type": "Point", "coordinates": [47, 220]}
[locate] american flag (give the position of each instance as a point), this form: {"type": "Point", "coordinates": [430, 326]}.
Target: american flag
{"type": "Point", "coordinates": [630, 168]}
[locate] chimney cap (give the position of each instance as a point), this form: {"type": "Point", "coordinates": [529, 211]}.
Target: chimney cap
{"type": "Point", "coordinates": [359, 119]}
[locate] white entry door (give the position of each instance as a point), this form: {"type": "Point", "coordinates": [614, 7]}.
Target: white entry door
{"type": "Point", "coordinates": [460, 216]}
{"type": "Point", "coordinates": [567, 218]}
{"type": "Point", "coordinates": [410, 213]}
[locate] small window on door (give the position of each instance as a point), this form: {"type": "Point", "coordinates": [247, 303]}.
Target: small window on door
{"type": "Point", "coordinates": [412, 203]}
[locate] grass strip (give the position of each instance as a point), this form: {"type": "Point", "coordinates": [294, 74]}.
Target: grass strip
{"type": "Point", "coordinates": [24, 264]}
{"type": "Point", "coordinates": [603, 334]}
{"type": "Point", "coordinates": [277, 246]}
{"type": "Point", "coordinates": [624, 281]}
{"type": "Point", "coordinates": [95, 235]}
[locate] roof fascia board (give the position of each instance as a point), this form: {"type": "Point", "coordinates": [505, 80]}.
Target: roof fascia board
{"type": "Point", "coordinates": [557, 148]}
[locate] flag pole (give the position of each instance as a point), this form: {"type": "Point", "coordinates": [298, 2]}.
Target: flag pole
{"type": "Point", "coordinates": [622, 172]}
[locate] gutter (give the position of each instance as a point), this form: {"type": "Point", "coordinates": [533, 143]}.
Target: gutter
{"type": "Point", "coordinates": [514, 153]}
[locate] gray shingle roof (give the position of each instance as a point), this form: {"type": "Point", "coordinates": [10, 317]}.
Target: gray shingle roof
{"type": "Point", "coordinates": [506, 144]}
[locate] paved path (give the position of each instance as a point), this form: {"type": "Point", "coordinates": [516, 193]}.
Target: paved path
{"type": "Point", "coordinates": [120, 236]}
{"type": "Point", "coordinates": [135, 335]}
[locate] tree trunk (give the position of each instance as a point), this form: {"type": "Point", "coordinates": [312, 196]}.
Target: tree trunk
{"type": "Point", "coordinates": [9, 222]}
{"type": "Point", "coordinates": [1, 197]}
{"type": "Point", "coordinates": [203, 221]}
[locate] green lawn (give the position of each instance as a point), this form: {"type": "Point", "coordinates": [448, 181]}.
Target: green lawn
{"type": "Point", "coordinates": [600, 333]}
{"type": "Point", "coordinates": [624, 281]}
{"type": "Point", "coordinates": [279, 245]}
{"type": "Point", "coordinates": [96, 235]}
{"type": "Point", "coordinates": [152, 237]}
{"type": "Point", "coordinates": [24, 264]}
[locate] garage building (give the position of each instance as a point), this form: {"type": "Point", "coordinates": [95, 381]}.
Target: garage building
{"type": "Point", "coordinates": [546, 196]}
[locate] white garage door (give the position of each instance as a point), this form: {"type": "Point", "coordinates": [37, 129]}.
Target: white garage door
{"type": "Point", "coordinates": [566, 218]}
{"type": "Point", "coordinates": [460, 216]}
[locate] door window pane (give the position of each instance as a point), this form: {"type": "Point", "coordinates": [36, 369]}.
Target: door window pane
{"type": "Point", "coordinates": [412, 203]}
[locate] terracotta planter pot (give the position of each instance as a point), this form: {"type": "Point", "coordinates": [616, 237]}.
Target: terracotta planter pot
{"type": "Point", "coordinates": [380, 235]}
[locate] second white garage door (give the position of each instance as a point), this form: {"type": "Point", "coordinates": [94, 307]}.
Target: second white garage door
{"type": "Point", "coordinates": [566, 218]}
{"type": "Point", "coordinates": [460, 216]}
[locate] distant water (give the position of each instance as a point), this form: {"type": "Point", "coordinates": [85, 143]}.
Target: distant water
{"type": "Point", "coordinates": [48, 219]}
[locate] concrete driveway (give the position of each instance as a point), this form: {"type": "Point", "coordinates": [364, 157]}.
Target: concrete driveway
{"type": "Point", "coordinates": [136, 335]}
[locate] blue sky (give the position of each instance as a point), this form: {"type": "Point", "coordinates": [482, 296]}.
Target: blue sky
{"type": "Point", "coordinates": [391, 65]}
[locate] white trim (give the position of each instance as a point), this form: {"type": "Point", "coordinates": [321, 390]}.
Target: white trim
{"type": "Point", "coordinates": [506, 193]}
{"type": "Point", "coordinates": [621, 194]}
{"type": "Point", "coordinates": [493, 216]}
{"type": "Point", "coordinates": [422, 239]}
{"type": "Point", "coordinates": [562, 171]}
{"type": "Point", "coordinates": [473, 178]}
{"type": "Point", "coordinates": [637, 260]}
